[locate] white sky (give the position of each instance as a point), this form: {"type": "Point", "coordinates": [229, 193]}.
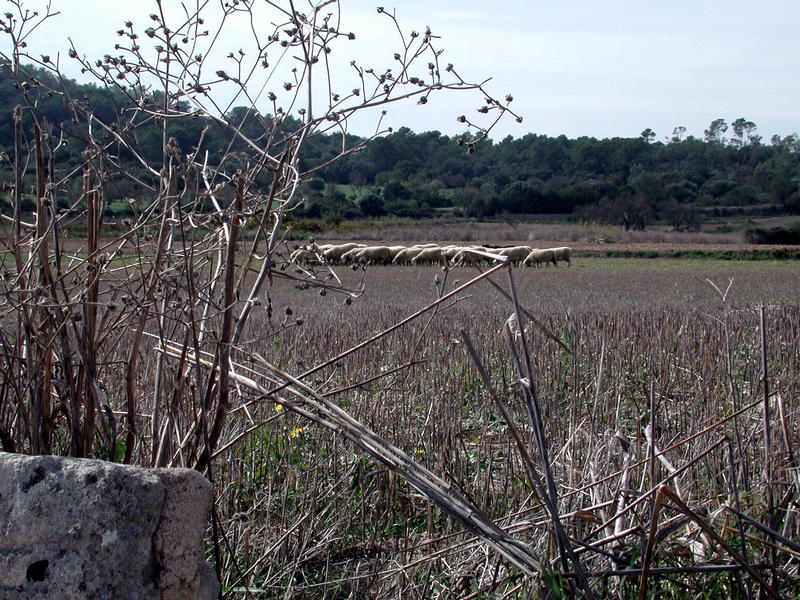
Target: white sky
{"type": "Point", "coordinates": [578, 67]}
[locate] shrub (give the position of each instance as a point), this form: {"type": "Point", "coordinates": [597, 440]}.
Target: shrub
{"type": "Point", "coordinates": [789, 236]}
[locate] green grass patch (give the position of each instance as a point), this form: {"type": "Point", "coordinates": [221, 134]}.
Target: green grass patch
{"type": "Point", "coordinates": [733, 254]}
{"type": "Point", "coordinates": [355, 192]}
{"type": "Point", "coordinates": [667, 264]}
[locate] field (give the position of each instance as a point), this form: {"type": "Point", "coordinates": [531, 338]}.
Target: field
{"type": "Point", "coordinates": [601, 430]}
{"type": "Point", "coordinates": [723, 239]}
{"type": "Point", "coordinates": [620, 348]}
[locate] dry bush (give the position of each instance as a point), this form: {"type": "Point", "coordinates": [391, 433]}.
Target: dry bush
{"type": "Point", "coordinates": [84, 322]}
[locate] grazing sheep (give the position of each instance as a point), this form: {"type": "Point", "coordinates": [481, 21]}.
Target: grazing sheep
{"type": "Point", "coordinates": [450, 252]}
{"type": "Point", "coordinates": [334, 253]}
{"type": "Point", "coordinates": [538, 257]}
{"type": "Point", "coordinates": [516, 254]}
{"type": "Point", "coordinates": [462, 257]}
{"type": "Point", "coordinates": [472, 255]}
{"type": "Point", "coordinates": [562, 253]}
{"type": "Point", "coordinates": [429, 255]}
{"type": "Point", "coordinates": [395, 250]}
{"type": "Point", "coordinates": [373, 255]}
{"type": "Point", "coordinates": [404, 256]}
{"type": "Point", "coordinates": [495, 255]}
{"type": "Point", "coordinates": [350, 256]}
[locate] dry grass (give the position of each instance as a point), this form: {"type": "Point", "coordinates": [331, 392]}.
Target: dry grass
{"type": "Point", "coordinates": [544, 234]}
{"type": "Point", "coordinates": [392, 467]}
{"type": "Point", "coordinates": [306, 516]}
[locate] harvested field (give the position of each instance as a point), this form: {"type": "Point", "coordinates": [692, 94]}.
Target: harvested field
{"type": "Point", "coordinates": [631, 344]}
{"type": "Point", "coordinates": [616, 442]}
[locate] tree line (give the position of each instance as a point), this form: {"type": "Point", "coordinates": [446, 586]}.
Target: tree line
{"type": "Point", "coordinates": [629, 181]}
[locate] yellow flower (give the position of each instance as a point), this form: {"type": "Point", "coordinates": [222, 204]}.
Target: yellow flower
{"type": "Point", "coordinates": [278, 407]}
{"type": "Point", "coordinates": [296, 432]}
{"type": "Point", "coordinates": [420, 452]}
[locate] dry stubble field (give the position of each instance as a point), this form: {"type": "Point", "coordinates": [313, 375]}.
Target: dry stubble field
{"type": "Point", "coordinates": [640, 342]}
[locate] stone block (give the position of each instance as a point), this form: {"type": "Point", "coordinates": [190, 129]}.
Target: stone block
{"type": "Point", "coordinates": [87, 529]}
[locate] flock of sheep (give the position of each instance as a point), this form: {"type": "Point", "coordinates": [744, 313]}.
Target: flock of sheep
{"type": "Point", "coordinates": [361, 254]}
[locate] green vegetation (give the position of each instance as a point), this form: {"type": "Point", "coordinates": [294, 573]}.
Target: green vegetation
{"type": "Point", "coordinates": [734, 254]}
{"type": "Point", "coordinates": [775, 235]}
{"type": "Point", "coordinates": [633, 182]}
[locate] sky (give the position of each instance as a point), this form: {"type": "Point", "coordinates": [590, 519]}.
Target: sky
{"type": "Point", "coordinates": [577, 67]}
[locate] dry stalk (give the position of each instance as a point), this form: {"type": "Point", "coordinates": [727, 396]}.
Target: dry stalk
{"type": "Point", "coordinates": [528, 386]}
{"type": "Point", "coordinates": [438, 491]}
{"type": "Point", "coordinates": [647, 559]}
{"type": "Point", "coordinates": [770, 500]}
{"type": "Point", "coordinates": [703, 524]}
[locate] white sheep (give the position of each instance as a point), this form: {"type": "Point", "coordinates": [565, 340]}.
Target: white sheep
{"type": "Point", "coordinates": [404, 256]}
{"type": "Point", "coordinates": [373, 255]}
{"type": "Point", "coordinates": [350, 256]}
{"type": "Point", "coordinates": [429, 255]}
{"type": "Point", "coordinates": [472, 255]}
{"type": "Point", "coordinates": [562, 253]}
{"type": "Point", "coordinates": [334, 253]}
{"type": "Point", "coordinates": [450, 252]}
{"type": "Point", "coordinates": [395, 250]}
{"type": "Point", "coordinates": [516, 254]}
{"type": "Point", "coordinates": [302, 256]}
{"type": "Point", "coordinates": [538, 257]}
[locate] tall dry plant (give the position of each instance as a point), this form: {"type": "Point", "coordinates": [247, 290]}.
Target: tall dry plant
{"type": "Point", "coordinates": [201, 248]}
{"type": "Point", "coordinates": [129, 346]}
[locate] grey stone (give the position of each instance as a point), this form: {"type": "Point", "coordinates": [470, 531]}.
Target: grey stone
{"type": "Point", "coordinates": [209, 586]}
{"type": "Point", "coordinates": [86, 529]}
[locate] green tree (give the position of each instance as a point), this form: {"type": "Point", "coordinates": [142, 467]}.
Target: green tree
{"type": "Point", "coordinates": [396, 198]}
{"type": "Point", "coordinates": [714, 133]}
{"type": "Point", "coordinates": [779, 178]}
{"type": "Point", "coordinates": [635, 212]}
{"type": "Point", "coordinates": [743, 132]}
{"type": "Point", "coordinates": [680, 215]}
{"type": "Point", "coordinates": [317, 184]}
{"type": "Point", "coordinates": [522, 197]}
{"type": "Point", "coordinates": [372, 205]}
{"type": "Point", "coordinates": [645, 183]}
{"type": "Point", "coordinates": [677, 135]}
